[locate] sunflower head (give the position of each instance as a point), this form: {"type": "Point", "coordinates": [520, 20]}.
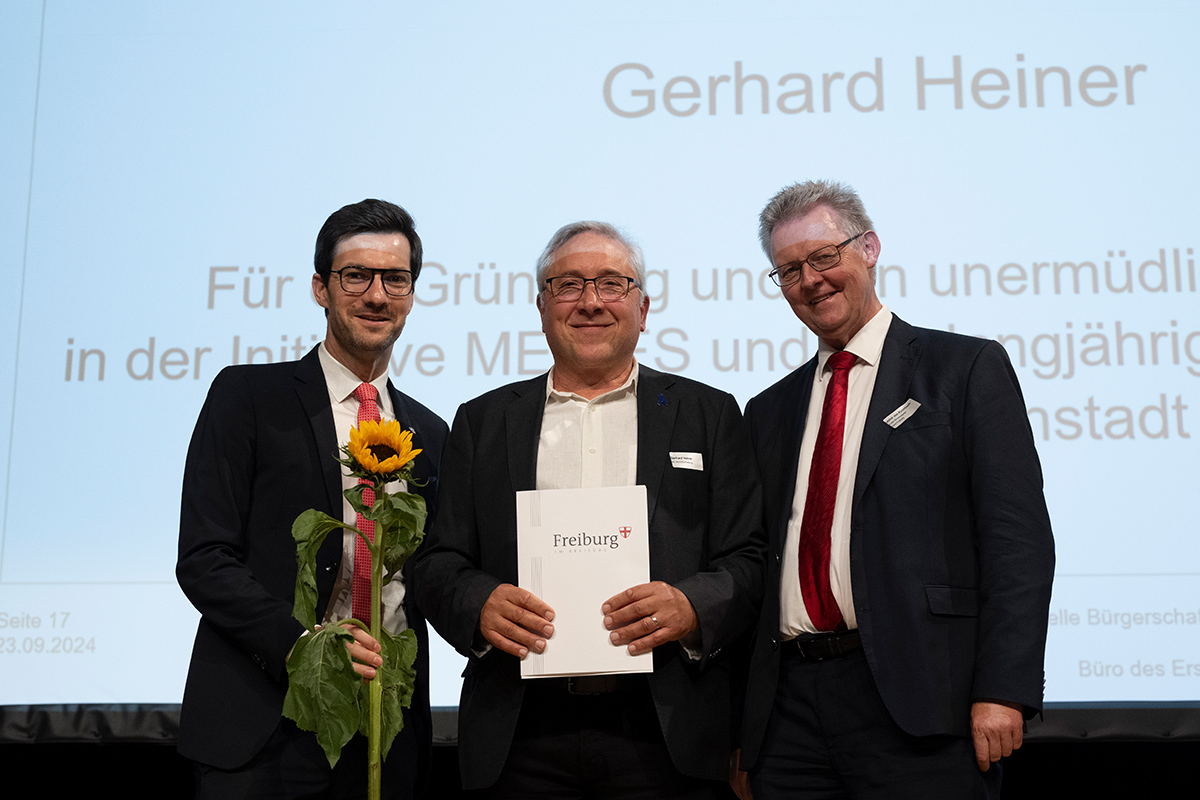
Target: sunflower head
{"type": "Point", "coordinates": [378, 449]}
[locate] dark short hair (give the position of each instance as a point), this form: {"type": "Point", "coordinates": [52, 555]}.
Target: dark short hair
{"type": "Point", "coordinates": [369, 216]}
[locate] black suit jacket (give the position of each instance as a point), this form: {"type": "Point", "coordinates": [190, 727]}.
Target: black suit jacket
{"type": "Point", "coordinates": [951, 555]}
{"type": "Point", "coordinates": [262, 452]}
{"type": "Point", "coordinates": [705, 539]}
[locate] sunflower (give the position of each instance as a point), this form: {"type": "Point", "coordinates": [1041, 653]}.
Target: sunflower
{"type": "Point", "coordinates": [380, 448]}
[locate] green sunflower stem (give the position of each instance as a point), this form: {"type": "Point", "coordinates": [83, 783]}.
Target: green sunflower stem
{"type": "Point", "coordinates": [375, 731]}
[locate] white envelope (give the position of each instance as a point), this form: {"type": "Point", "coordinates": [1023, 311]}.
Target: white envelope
{"type": "Point", "coordinates": [575, 549]}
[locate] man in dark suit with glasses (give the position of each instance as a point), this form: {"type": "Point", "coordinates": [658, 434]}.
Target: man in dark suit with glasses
{"type": "Point", "coordinates": [263, 452]}
{"type": "Point", "coordinates": [910, 561]}
{"type": "Point", "coordinates": [598, 418]}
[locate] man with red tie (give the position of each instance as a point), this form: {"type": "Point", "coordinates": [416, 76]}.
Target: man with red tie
{"type": "Point", "coordinates": [263, 452]}
{"type": "Point", "coordinates": [902, 637]}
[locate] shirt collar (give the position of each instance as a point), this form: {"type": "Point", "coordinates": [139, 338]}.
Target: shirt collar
{"type": "Point", "coordinates": [629, 386]}
{"type": "Point", "coordinates": [867, 344]}
{"type": "Point", "coordinates": [341, 381]}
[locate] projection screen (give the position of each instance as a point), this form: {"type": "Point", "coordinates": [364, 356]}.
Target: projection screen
{"type": "Point", "coordinates": [1030, 169]}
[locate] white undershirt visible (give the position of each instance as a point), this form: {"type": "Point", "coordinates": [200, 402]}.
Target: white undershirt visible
{"type": "Point", "coordinates": [867, 344]}
{"type": "Point", "coordinates": [342, 383]}
{"type": "Point", "coordinates": [588, 443]}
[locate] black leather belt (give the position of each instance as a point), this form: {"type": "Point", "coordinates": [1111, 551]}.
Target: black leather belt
{"type": "Point", "coordinates": [589, 684]}
{"type": "Point", "coordinates": [824, 646]}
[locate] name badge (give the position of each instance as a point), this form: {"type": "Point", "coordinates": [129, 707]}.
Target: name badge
{"type": "Point", "coordinates": [902, 413]}
{"type": "Point", "coordinates": [687, 461]}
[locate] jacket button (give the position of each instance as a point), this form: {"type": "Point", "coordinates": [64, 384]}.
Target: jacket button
{"type": "Point", "coordinates": [774, 644]}
{"type": "Point", "coordinates": [331, 566]}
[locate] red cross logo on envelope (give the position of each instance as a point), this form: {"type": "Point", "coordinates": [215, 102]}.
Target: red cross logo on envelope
{"type": "Point", "coordinates": [625, 531]}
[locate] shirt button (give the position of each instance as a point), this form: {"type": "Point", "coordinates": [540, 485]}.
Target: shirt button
{"type": "Point", "coordinates": [592, 450]}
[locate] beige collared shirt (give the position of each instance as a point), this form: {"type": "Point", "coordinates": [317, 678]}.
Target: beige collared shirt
{"type": "Point", "coordinates": [588, 443]}
{"type": "Point", "coordinates": [867, 344]}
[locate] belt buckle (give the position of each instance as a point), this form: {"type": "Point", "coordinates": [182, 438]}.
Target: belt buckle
{"type": "Point", "coordinates": [811, 653]}
{"type": "Point", "coordinates": [590, 685]}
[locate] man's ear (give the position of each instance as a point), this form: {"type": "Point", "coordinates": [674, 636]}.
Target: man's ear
{"type": "Point", "coordinates": [320, 291]}
{"type": "Point", "coordinates": [871, 248]}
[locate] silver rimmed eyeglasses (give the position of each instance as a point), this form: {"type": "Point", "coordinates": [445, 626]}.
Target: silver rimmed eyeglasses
{"type": "Point", "coordinates": [821, 259]}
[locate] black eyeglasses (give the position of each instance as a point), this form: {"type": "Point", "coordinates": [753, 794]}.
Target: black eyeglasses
{"type": "Point", "coordinates": [356, 280]}
{"type": "Point", "coordinates": [609, 288]}
{"type": "Point", "coordinates": [820, 260]}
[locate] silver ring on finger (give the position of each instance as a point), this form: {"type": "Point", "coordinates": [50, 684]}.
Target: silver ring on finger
{"type": "Point", "coordinates": [657, 624]}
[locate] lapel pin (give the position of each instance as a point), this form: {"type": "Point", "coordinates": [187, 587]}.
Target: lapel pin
{"type": "Point", "coordinates": [662, 401]}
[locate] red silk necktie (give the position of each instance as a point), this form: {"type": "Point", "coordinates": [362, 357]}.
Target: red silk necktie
{"type": "Point", "coordinates": [368, 409]}
{"type": "Point", "coordinates": [822, 494]}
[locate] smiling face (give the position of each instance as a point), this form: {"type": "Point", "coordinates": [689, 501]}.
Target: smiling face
{"type": "Point", "coordinates": [361, 329]}
{"type": "Point", "coordinates": [836, 303]}
{"type": "Point", "coordinates": [592, 341]}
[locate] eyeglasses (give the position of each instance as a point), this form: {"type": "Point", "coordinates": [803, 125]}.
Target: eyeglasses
{"type": "Point", "coordinates": [820, 260]}
{"type": "Point", "coordinates": [609, 288]}
{"type": "Point", "coordinates": [356, 280]}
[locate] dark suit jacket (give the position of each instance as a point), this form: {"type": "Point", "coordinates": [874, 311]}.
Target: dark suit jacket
{"type": "Point", "coordinates": [951, 555]}
{"type": "Point", "coordinates": [263, 451]}
{"type": "Point", "coordinates": [705, 539]}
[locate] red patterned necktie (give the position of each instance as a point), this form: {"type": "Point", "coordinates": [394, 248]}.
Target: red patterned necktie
{"type": "Point", "coordinates": [822, 494]}
{"type": "Point", "coordinates": [368, 409]}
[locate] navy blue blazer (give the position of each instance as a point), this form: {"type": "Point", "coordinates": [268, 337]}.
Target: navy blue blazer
{"type": "Point", "coordinates": [951, 555]}
{"type": "Point", "coordinates": [705, 539]}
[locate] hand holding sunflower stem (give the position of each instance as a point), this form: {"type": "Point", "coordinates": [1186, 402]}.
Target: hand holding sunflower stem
{"type": "Point", "coordinates": [325, 691]}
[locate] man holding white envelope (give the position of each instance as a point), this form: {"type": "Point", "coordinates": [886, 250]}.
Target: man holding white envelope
{"type": "Point", "coordinates": [597, 419]}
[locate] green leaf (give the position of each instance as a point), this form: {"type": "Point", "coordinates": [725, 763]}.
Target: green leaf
{"type": "Point", "coordinates": [324, 692]}
{"type": "Point", "coordinates": [309, 530]}
{"type": "Point", "coordinates": [399, 679]}
{"type": "Point", "coordinates": [405, 514]}
{"type": "Point", "coordinates": [354, 495]}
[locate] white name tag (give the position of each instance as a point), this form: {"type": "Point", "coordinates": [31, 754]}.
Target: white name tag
{"type": "Point", "coordinates": [902, 413]}
{"type": "Point", "coordinates": [687, 461]}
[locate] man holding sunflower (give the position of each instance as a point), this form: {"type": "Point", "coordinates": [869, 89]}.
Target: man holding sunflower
{"type": "Point", "coordinates": [264, 451]}
{"type": "Point", "coordinates": [598, 418]}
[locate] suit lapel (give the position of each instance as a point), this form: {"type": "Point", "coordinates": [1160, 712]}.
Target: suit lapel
{"type": "Point", "coordinates": [897, 363]}
{"type": "Point", "coordinates": [314, 397]}
{"type": "Point", "coordinates": [400, 409]}
{"type": "Point", "coordinates": [791, 434]}
{"type": "Point", "coordinates": [657, 408]}
{"type": "Point", "coordinates": [522, 428]}
{"type": "Point", "coordinates": [425, 483]}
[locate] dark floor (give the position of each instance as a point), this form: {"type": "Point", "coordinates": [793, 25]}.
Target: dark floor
{"type": "Point", "coordinates": [1062, 771]}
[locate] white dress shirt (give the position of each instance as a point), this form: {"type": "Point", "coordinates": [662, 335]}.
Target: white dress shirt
{"type": "Point", "coordinates": [867, 345]}
{"type": "Point", "coordinates": [588, 443]}
{"type": "Point", "coordinates": [342, 383]}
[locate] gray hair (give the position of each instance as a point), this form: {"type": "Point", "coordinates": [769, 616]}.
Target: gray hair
{"type": "Point", "coordinates": [568, 232]}
{"type": "Point", "coordinates": [799, 199]}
